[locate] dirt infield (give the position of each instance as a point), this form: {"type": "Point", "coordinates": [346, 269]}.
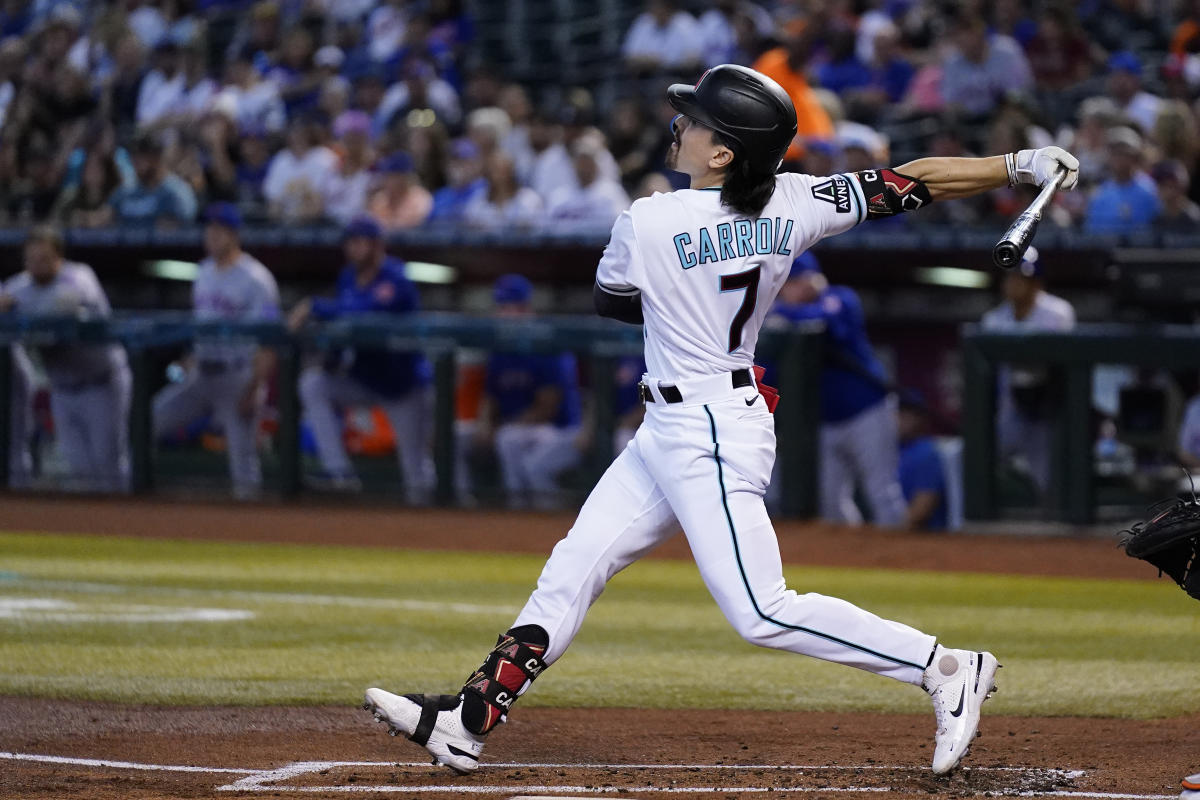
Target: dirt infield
{"type": "Point", "coordinates": [59, 749]}
{"type": "Point", "coordinates": [568, 752]}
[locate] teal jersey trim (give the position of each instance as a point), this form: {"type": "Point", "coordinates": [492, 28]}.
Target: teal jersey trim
{"type": "Point", "coordinates": [737, 554]}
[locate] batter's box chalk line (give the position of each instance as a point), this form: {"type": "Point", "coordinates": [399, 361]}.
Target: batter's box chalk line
{"type": "Point", "coordinates": [276, 780]}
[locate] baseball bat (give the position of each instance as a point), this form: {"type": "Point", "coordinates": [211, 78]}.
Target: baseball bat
{"type": "Point", "coordinates": [1008, 251]}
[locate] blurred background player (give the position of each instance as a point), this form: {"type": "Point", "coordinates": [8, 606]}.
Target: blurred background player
{"type": "Point", "coordinates": [90, 384]}
{"type": "Point", "coordinates": [858, 415]}
{"type": "Point", "coordinates": [1026, 395]}
{"type": "Point", "coordinates": [922, 474]}
{"type": "Point", "coordinates": [226, 379]}
{"type": "Point", "coordinates": [398, 382]}
{"type": "Point", "coordinates": [530, 413]}
{"type": "Point", "coordinates": [20, 422]}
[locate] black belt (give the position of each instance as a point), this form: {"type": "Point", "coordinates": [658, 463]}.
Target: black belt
{"type": "Point", "coordinates": [739, 378]}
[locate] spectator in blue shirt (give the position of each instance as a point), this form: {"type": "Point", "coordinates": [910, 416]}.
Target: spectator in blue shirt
{"type": "Point", "coordinates": [399, 382]}
{"type": "Point", "coordinates": [922, 477]}
{"type": "Point", "coordinates": [466, 181]}
{"type": "Point", "coordinates": [843, 71]}
{"type": "Point", "coordinates": [891, 70]}
{"type": "Point", "coordinates": [858, 446]}
{"type": "Point", "coordinates": [1127, 201]}
{"type": "Point", "coordinates": [158, 197]}
{"type": "Point", "coordinates": [531, 408]}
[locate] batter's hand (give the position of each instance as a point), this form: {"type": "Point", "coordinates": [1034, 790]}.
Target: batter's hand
{"type": "Point", "coordinates": [1038, 166]}
{"type": "Point", "coordinates": [7, 303]}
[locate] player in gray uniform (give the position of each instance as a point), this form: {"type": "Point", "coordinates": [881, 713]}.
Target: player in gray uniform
{"type": "Point", "coordinates": [1026, 405]}
{"type": "Point", "coordinates": [227, 378]}
{"type": "Point", "coordinates": [90, 384]}
{"type": "Point", "coordinates": [20, 422]}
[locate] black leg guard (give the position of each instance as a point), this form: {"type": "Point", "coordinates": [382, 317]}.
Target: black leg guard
{"type": "Point", "coordinates": [492, 689]}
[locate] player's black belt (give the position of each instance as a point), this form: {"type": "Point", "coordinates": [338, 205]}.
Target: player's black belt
{"type": "Point", "coordinates": [739, 378]}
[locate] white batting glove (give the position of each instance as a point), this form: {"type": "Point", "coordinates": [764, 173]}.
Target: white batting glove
{"type": "Point", "coordinates": [1038, 166]}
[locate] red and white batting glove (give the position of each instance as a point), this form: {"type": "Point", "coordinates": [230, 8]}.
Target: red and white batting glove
{"type": "Point", "coordinates": [1038, 166]}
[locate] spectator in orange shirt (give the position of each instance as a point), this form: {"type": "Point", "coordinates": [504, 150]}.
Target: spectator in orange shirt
{"type": "Point", "coordinates": [1187, 33]}
{"type": "Point", "coordinates": [785, 65]}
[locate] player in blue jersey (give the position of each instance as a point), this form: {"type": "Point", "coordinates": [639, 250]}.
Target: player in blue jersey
{"type": "Point", "coordinates": [531, 409]}
{"type": "Point", "coordinates": [922, 474]}
{"type": "Point", "coordinates": [858, 414]}
{"type": "Point", "coordinates": [399, 382]}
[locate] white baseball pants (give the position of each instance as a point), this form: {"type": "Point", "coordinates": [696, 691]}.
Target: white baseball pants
{"type": "Point", "coordinates": [181, 403]}
{"type": "Point", "coordinates": [322, 391]}
{"type": "Point", "coordinates": [862, 451]}
{"type": "Point", "coordinates": [704, 466]}
{"type": "Point", "coordinates": [91, 428]}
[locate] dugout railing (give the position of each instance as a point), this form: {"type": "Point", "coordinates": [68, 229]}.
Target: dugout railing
{"type": "Point", "coordinates": [441, 336]}
{"type": "Point", "coordinates": [1071, 359]}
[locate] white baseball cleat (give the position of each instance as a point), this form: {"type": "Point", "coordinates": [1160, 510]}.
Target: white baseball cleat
{"type": "Point", "coordinates": [958, 681]}
{"type": "Point", "coordinates": [1190, 787]}
{"type": "Point", "coordinates": [431, 720]}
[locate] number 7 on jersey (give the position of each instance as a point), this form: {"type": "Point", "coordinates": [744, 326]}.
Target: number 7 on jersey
{"type": "Point", "coordinates": [747, 281]}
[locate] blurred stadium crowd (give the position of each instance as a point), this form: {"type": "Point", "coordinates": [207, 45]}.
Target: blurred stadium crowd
{"type": "Point", "coordinates": [140, 112]}
{"type": "Point", "coordinates": [377, 116]}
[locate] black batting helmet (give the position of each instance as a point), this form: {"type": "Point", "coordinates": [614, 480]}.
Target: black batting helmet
{"type": "Point", "coordinates": [747, 107]}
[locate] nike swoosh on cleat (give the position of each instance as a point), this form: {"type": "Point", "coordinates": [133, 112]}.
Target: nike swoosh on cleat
{"type": "Point", "coordinates": [958, 711]}
{"type": "Point", "coordinates": [750, 402]}
{"type": "Point", "coordinates": [458, 752]}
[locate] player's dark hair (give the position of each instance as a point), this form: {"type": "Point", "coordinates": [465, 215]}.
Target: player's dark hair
{"type": "Point", "coordinates": [746, 189]}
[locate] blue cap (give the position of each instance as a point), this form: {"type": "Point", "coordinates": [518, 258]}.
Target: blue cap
{"type": "Point", "coordinates": [226, 214]}
{"type": "Point", "coordinates": [364, 226]}
{"type": "Point", "coordinates": [806, 262]}
{"type": "Point", "coordinates": [399, 161]}
{"type": "Point", "coordinates": [1031, 264]}
{"type": "Point", "coordinates": [512, 288]}
{"type": "Point", "coordinates": [1125, 61]}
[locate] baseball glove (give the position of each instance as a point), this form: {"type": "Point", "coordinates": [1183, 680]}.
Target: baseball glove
{"type": "Point", "coordinates": [1169, 540]}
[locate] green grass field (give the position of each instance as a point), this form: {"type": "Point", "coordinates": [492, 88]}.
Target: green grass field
{"type": "Point", "coordinates": [207, 623]}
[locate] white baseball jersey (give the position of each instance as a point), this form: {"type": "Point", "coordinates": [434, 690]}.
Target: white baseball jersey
{"type": "Point", "coordinates": [74, 292]}
{"type": "Point", "coordinates": [243, 292]}
{"type": "Point", "coordinates": [708, 275]}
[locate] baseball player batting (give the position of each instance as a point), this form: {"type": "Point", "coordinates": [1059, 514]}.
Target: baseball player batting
{"type": "Point", "coordinates": [699, 269]}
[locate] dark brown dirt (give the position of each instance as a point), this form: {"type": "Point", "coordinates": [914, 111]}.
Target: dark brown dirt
{"type": "Point", "coordinates": [800, 542]}
{"type": "Point", "coordinates": [831, 755]}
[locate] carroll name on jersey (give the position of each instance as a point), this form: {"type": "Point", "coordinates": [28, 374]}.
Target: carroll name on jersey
{"type": "Point", "coordinates": [738, 239]}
